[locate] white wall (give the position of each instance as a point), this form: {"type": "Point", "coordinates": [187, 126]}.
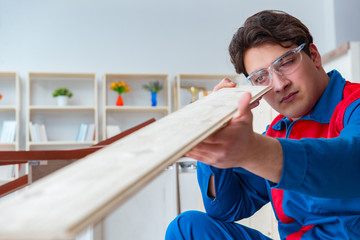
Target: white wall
{"type": "Point", "coordinates": [132, 35]}
{"type": "Point", "coordinates": [347, 19]}
{"type": "Point", "coordinates": [136, 36]}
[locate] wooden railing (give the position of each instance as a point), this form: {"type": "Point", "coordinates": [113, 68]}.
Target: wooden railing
{"type": "Point", "coordinates": [65, 203]}
{"type": "Point", "coordinates": [52, 156]}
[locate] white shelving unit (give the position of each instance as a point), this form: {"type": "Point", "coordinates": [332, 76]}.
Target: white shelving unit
{"type": "Point", "coordinates": [202, 82]}
{"type": "Point", "coordinates": [9, 111]}
{"type": "Point", "coordinates": [345, 59]}
{"type": "Point", "coordinates": [62, 123]}
{"type": "Point", "coordinates": [137, 103]}
{"type": "Point", "coordinates": [10, 106]}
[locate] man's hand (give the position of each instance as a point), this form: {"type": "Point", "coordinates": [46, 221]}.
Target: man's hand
{"type": "Point", "coordinates": [237, 145]}
{"type": "Point", "coordinates": [224, 148]}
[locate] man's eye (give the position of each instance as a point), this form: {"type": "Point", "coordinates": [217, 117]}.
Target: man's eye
{"type": "Point", "coordinates": [260, 79]}
{"type": "Point", "coordinates": [286, 62]}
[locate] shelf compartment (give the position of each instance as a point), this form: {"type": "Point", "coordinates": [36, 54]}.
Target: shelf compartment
{"type": "Point", "coordinates": [42, 85]}
{"type": "Point", "coordinates": [61, 122]}
{"type": "Point", "coordinates": [182, 95]}
{"type": "Point", "coordinates": [137, 103]}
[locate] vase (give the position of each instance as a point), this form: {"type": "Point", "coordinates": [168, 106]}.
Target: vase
{"type": "Point", "coordinates": [61, 100]}
{"type": "Point", "coordinates": [153, 99]}
{"type": "Point", "coordinates": [193, 90]}
{"type": "Point", "coordinates": [119, 101]}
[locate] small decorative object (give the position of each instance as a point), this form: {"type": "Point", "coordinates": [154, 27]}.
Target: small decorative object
{"type": "Point", "coordinates": [62, 95]}
{"type": "Point", "coordinates": [1, 96]}
{"type": "Point", "coordinates": [154, 88]}
{"type": "Point", "coordinates": [194, 90]}
{"type": "Point", "coordinates": [120, 87]}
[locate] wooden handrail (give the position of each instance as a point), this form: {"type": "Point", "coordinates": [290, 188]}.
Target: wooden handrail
{"type": "Point", "coordinates": [22, 157]}
{"type": "Point", "coordinates": [18, 157]}
{"type": "Point", "coordinates": [13, 185]}
{"type": "Point", "coordinates": [65, 203]}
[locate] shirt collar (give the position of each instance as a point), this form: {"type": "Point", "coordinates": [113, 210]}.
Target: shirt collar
{"type": "Point", "coordinates": [327, 103]}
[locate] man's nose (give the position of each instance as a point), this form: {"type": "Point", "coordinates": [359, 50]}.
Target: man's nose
{"type": "Point", "coordinates": [279, 81]}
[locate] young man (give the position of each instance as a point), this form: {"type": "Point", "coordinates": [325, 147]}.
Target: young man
{"type": "Point", "coordinates": [307, 164]}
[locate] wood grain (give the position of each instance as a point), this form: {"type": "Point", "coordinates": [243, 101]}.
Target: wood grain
{"type": "Point", "coordinates": [63, 204]}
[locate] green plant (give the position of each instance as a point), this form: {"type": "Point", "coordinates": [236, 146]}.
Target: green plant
{"type": "Point", "coordinates": [62, 92]}
{"type": "Point", "coordinates": [153, 86]}
{"type": "Point", "coordinates": [120, 87]}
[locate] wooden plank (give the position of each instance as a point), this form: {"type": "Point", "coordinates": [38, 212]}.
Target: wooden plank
{"type": "Point", "coordinates": [62, 75]}
{"type": "Point", "coordinates": [63, 204]}
{"type": "Point", "coordinates": [207, 76]}
{"type": "Point", "coordinates": [8, 74]}
{"type": "Point", "coordinates": [116, 76]}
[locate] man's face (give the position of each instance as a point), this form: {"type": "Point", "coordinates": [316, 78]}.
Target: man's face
{"type": "Point", "coordinates": [295, 94]}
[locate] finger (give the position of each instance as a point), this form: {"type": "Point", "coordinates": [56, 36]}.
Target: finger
{"type": "Point", "coordinates": [243, 105]}
{"type": "Point", "coordinates": [202, 157]}
{"type": "Point", "coordinates": [205, 148]}
{"type": "Point", "coordinates": [224, 84]}
{"type": "Point", "coordinates": [209, 148]}
{"type": "Point", "coordinates": [255, 104]}
{"type": "Point", "coordinates": [207, 157]}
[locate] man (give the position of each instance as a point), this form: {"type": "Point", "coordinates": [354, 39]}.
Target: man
{"type": "Point", "coordinates": [307, 164]}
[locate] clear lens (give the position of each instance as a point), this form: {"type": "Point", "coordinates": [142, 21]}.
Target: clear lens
{"type": "Point", "coordinates": [260, 78]}
{"type": "Point", "coordinates": [286, 64]}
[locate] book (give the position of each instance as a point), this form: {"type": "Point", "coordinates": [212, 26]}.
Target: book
{"type": "Point", "coordinates": [42, 133]}
{"type": "Point", "coordinates": [12, 133]}
{"type": "Point", "coordinates": [31, 131]}
{"type": "Point", "coordinates": [8, 132]}
{"type": "Point", "coordinates": [4, 132]}
{"type": "Point", "coordinates": [81, 136]}
{"type": "Point", "coordinates": [36, 132]}
{"type": "Point", "coordinates": [78, 134]}
{"type": "Point", "coordinates": [5, 172]}
{"type": "Point", "coordinates": [83, 133]}
{"type": "Point", "coordinates": [90, 132]}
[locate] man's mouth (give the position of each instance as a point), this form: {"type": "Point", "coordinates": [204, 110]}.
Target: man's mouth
{"type": "Point", "coordinates": [288, 98]}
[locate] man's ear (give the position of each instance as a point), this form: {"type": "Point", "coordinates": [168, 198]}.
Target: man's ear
{"type": "Point", "coordinates": [315, 55]}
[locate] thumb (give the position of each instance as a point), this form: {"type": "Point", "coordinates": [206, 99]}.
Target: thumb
{"type": "Point", "coordinates": [243, 105]}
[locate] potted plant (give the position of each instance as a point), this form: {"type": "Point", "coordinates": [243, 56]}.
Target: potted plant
{"type": "Point", "coordinates": [120, 87]}
{"type": "Point", "coordinates": [62, 94]}
{"type": "Point", "coordinates": [153, 88]}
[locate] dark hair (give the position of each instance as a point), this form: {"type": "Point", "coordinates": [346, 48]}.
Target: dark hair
{"type": "Point", "coordinates": [268, 26]}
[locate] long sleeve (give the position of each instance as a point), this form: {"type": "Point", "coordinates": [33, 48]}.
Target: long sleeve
{"type": "Point", "coordinates": [239, 193]}
{"type": "Point", "coordinates": [325, 167]}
